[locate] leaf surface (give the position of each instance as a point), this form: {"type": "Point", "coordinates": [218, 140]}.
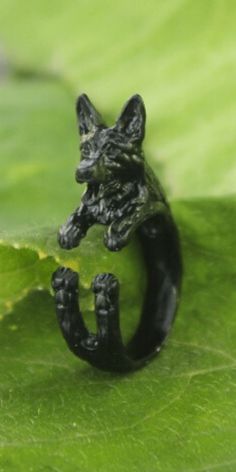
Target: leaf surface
{"type": "Point", "coordinates": [61, 413]}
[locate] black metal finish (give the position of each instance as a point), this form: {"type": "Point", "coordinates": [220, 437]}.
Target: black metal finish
{"type": "Point", "coordinates": [123, 194]}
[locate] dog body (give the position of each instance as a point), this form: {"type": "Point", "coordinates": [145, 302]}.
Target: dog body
{"type": "Point", "coordinates": [122, 191]}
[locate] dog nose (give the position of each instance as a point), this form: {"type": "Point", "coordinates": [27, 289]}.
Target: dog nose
{"type": "Point", "coordinates": [84, 171]}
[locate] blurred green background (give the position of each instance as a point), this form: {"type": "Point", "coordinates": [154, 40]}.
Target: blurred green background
{"type": "Point", "coordinates": [178, 414]}
{"type": "Point", "coordinates": [179, 55]}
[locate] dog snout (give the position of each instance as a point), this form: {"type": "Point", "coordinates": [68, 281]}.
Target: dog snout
{"type": "Point", "coordinates": [84, 172]}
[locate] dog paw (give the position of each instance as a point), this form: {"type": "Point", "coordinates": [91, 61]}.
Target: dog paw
{"type": "Point", "coordinates": [65, 279]}
{"type": "Point", "coordinates": [113, 241]}
{"type": "Point", "coordinates": [69, 236]}
{"type": "Point", "coordinates": [105, 283]}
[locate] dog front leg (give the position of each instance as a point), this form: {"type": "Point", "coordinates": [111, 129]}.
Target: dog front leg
{"type": "Point", "coordinates": [76, 227]}
{"type": "Point", "coordinates": [119, 233]}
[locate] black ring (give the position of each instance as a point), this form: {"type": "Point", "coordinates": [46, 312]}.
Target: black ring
{"type": "Point", "coordinates": [123, 194]}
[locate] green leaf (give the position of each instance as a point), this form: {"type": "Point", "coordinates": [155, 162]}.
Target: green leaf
{"type": "Point", "coordinates": [57, 413]}
{"type": "Point", "coordinates": [172, 415]}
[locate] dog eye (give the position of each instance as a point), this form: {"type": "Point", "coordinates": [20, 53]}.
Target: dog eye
{"type": "Point", "coordinates": [86, 149]}
{"type": "Point", "coordinates": [110, 150]}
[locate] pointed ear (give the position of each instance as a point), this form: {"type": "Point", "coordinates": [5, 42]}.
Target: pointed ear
{"type": "Point", "coordinates": [132, 119]}
{"type": "Point", "coordinates": [88, 117]}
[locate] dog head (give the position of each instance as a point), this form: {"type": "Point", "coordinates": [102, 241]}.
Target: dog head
{"type": "Point", "coordinates": [110, 153]}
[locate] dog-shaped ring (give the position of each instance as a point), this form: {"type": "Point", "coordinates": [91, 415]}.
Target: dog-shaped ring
{"type": "Point", "coordinates": [124, 195]}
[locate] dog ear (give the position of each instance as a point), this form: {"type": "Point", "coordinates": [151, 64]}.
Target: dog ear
{"type": "Point", "coordinates": [88, 117]}
{"type": "Point", "coordinates": [132, 119]}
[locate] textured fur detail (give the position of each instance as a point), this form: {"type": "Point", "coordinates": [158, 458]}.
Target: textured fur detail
{"type": "Point", "coordinates": [122, 191]}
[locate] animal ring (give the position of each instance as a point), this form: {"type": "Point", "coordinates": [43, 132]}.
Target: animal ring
{"type": "Point", "coordinates": [124, 195]}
